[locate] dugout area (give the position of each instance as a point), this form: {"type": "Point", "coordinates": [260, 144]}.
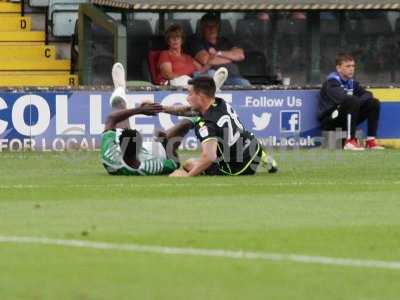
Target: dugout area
{"type": "Point", "coordinates": [297, 40]}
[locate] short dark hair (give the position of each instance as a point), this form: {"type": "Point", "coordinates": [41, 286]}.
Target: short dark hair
{"type": "Point", "coordinates": [205, 85]}
{"type": "Point", "coordinates": [210, 17]}
{"type": "Point", "coordinates": [130, 141]}
{"type": "Point", "coordinates": [174, 30]}
{"type": "Point", "coordinates": [343, 57]}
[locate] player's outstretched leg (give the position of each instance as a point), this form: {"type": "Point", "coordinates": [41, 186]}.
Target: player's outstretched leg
{"type": "Point", "coordinates": [220, 77]}
{"type": "Point", "coordinates": [118, 75]}
{"type": "Point", "coordinates": [118, 97]}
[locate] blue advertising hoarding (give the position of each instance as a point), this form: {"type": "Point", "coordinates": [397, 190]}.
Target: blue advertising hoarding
{"type": "Point", "coordinates": [60, 120]}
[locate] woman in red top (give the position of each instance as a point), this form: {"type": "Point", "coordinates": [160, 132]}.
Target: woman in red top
{"type": "Point", "coordinates": [173, 63]}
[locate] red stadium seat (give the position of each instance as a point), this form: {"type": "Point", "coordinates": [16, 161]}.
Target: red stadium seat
{"type": "Point", "coordinates": [153, 58]}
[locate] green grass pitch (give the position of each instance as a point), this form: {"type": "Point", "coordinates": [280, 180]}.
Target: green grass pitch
{"type": "Point", "coordinates": [321, 203]}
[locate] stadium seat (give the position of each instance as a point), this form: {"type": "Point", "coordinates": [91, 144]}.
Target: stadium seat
{"type": "Point", "coordinates": [253, 34]}
{"type": "Point", "coordinates": [146, 74]}
{"type": "Point", "coordinates": [353, 35]}
{"type": "Point", "coordinates": [330, 27]}
{"type": "Point", "coordinates": [378, 43]}
{"type": "Point", "coordinates": [291, 27]}
{"type": "Point", "coordinates": [16, 23]}
{"type": "Point", "coordinates": [38, 64]}
{"type": "Point", "coordinates": [254, 67]}
{"type": "Point", "coordinates": [35, 78]}
{"type": "Point", "coordinates": [330, 43]}
{"type": "Point", "coordinates": [25, 60]}
{"type": "Point", "coordinates": [184, 23]}
{"type": "Point", "coordinates": [225, 30]}
{"type": "Point", "coordinates": [9, 8]}
{"type": "Point", "coordinates": [140, 28]}
{"type": "Point", "coordinates": [157, 43]}
{"type": "Point", "coordinates": [39, 3]}
{"type": "Point", "coordinates": [153, 58]}
{"type": "Point", "coordinates": [397, 26]}
{"type": "Point", "coordinates": [30, 37]}
{"type": "Point", "coordinates": [31, 52]}
{"type": "Point", "coordinates": [103, 55]}
{"type": "Point", "coordinates": [138, 34]}
{"type": "Point", "coordinates": [63, 15]}
{"type": "Point", "coordinates": [291, 35]}
{"type": "Point", "coordinates": [377, 26]}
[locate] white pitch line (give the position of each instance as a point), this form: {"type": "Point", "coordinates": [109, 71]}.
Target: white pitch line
{"type": "Point", "coordinates": [244, 255]}
{"type": "Point", "coordinates": [182, 184]}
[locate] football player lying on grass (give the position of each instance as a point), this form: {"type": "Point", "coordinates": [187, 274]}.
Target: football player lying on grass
{"type": "Point", "coordinates": [122, 149]}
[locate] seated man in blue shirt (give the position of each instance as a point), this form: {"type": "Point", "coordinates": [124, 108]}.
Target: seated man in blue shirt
{"type": "Point", "coordinates": [344, 101]}
{"type": "Point", "coordinates": [215, 51]}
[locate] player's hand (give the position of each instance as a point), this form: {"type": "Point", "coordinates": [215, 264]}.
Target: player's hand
{"type": "Point", "coordinates": [150, 109]}
{"type": "Point", "coordinates": [160, 135]}
{"type": "Point", "coordinates": [144, 102]}
{"type": "Point", "coordinates": [179, 173]}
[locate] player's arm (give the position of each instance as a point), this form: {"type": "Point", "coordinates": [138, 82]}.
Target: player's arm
{"type": "Point", "coordinates": [180, 129]}
{"type": "Point", "coordinates": [181, 110]}
{"type": "Point", "coordinates": [117, 116]}
{"type": "Point", "coordinates": [198, 166]}
{"type": "Point", "coordinates": [207, 157]}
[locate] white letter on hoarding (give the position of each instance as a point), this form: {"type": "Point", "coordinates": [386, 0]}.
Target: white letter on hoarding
{"type": "Point", "coordinates": [59, 141]}
{"type": "Point", "coordinates": [171, 100]}
{"type": "Point", "coordinates": [3, 124]}
{"type": "Point", "coordinates": [133, 101]}
{"type": "Point", "coordinates": [96, 126]}
{"type": "Point", "coordinates": [3, 144]}
{"type": "Point", "coordinates": [62, 125]}
{"type": "Point", "coordinates": [225, 96]}
{"type": "Point", "coordinates": [43, 115]}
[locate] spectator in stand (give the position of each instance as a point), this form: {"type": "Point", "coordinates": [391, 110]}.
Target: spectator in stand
{"type": "Point", "coordinates": [177, 68]}
{"type": "Point", "coordinates": [213, 51]}
{"type": "Point", "coordinates": [344, 101]}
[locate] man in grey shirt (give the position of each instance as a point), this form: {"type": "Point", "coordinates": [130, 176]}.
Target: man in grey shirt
{"type": "Point", "coordinates": [210, 49]}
